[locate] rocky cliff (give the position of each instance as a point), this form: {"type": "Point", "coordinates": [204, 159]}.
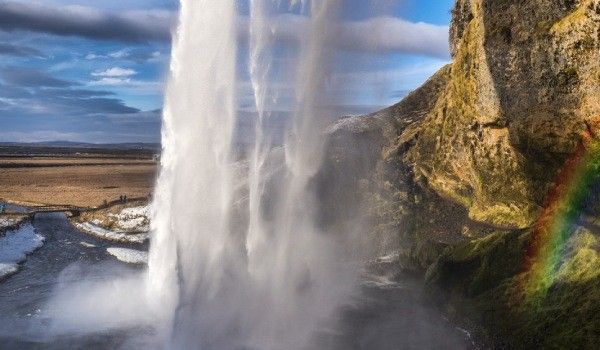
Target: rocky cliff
{"type": "Point", "coordinates": [524, 83]}
{"type": "Point", "coordinates": [461, 170]}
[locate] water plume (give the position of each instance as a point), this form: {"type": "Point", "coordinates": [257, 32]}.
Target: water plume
{"type": "Point", "coordinates": [230, 273]}
{"type": "Point", "coordinates": [194, 262]}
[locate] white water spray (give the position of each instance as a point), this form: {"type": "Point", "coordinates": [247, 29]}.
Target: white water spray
{"type": "Point", "coordinates": [268, 282]}
{"type": "Point", "coordinates": [191, 243]}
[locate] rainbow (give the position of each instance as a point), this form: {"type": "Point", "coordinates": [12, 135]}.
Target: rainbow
{"type": "Point", "coordinates": [558, 219]}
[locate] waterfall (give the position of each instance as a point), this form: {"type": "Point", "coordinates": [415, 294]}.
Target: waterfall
{"type": "Point", "coordinates": [228, 272]}
{"type": "Point", "coordinates": [191, 244]}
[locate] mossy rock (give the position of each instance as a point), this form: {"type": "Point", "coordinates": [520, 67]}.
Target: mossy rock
{"type": "Point", "coordinates": [566, 316]}
{"type": "Point", "coordinates": [482, 280]}
{"type": "Point", "coordinates": [477, 266]}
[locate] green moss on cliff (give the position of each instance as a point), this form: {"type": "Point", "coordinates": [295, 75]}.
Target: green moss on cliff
{"type": "Point", "coordinates": [483, 279]}
{"type": "Point", "coordinates": [566, 316]}
{"type": "Point", "coordinates": [479, 265]}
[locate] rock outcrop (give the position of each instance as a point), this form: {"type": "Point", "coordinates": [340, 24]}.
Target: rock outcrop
{"type": "Point", "coordinates": [460, 170]}
{"type": "Point", "coordinates": [524, 82]}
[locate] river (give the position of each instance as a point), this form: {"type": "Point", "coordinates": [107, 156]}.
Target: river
{"type": "Point", "coordinates": [384, 314]}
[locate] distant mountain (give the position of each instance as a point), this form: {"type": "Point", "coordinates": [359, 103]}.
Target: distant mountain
{"type": "Point", "coordinates": [86, 145]}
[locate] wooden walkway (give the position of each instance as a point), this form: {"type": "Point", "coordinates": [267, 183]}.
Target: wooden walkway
{"type": "Point", "coordinates": [73, 210]}
{"type": "Point", "coordinates": [76, 211]}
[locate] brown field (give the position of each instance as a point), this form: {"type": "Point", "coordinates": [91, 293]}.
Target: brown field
{"type": "Point", "coordinates": [79, 181]}
{"type": "Point", "coordinates": [6, 162]}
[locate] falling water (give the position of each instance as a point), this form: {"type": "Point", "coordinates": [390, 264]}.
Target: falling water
{"type": "Point", "coordinates": [217, 281]}
{"type": "Point", "coordinates": [194, 258]}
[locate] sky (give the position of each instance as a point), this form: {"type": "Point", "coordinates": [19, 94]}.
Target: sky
{"type": "Point", "coordinates": [94, 71]}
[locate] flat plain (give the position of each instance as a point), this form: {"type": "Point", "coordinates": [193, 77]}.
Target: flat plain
{"type": "Point", "coordinates": [83, 178]}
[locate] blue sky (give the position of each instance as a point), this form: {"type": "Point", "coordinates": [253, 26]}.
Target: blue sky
{"type": "Point", "coordinates": [94, 71]}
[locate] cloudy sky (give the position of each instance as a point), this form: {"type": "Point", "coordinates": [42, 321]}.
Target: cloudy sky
{"type": "Point", "coordinates": [94, 71]}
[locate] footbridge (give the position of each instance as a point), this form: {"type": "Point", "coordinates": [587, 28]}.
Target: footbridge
{"type": "Point", "coordinates": [67, 209]}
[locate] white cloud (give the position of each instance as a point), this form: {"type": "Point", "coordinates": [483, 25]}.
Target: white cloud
{"type": "Point", "coordinates": [124, 53]}
{"type": "Point", "coordinates": [374, 35]}
{"type": "Point", "coordinates": [110, 81]}
{"type": "Point", "coordinates": [119, 54]}
{"type": "Point", "coordinates": [136, 56]}
{"type": "Point", "coordinates": [391, 34]}
{"type": "Point", "coordinates": [409, 75]}
{"type": "Point", "coordinates": [115, 72]}
{"type": "Point", "coordinates": [133, 86]}
{"type": "Point", "coordinates": [88, 22]}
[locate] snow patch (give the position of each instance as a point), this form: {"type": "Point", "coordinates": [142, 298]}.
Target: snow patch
{"type": "Point", "coordinates": [135, 218]}
{"type": "Point", "coordinates": [130, 256]}
{"type": "Point", "coordinates": [7, 222]}
{"type": "Point", "coordinates": [96, 222]}
{"type": "Point", "coordinates": [132, 223]}
{"type": "Point", "coordinates": [136, 211]}
{"type": "Point", "coordinates": [7, 269]}
{"type": "Point", "coordinates": [14, 247]}
{"type": "Point", "coordinates": [87, 245]}
{"type": "Point", "coordinates": [111, 235]}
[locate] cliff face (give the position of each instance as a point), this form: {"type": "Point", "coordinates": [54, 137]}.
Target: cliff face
{"type": "Point", "coordinates": [525, 79]}
{"type": "Point", "coordinates": [460, 170]}
{"type": "Point", "coordinates": [490, 131]}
